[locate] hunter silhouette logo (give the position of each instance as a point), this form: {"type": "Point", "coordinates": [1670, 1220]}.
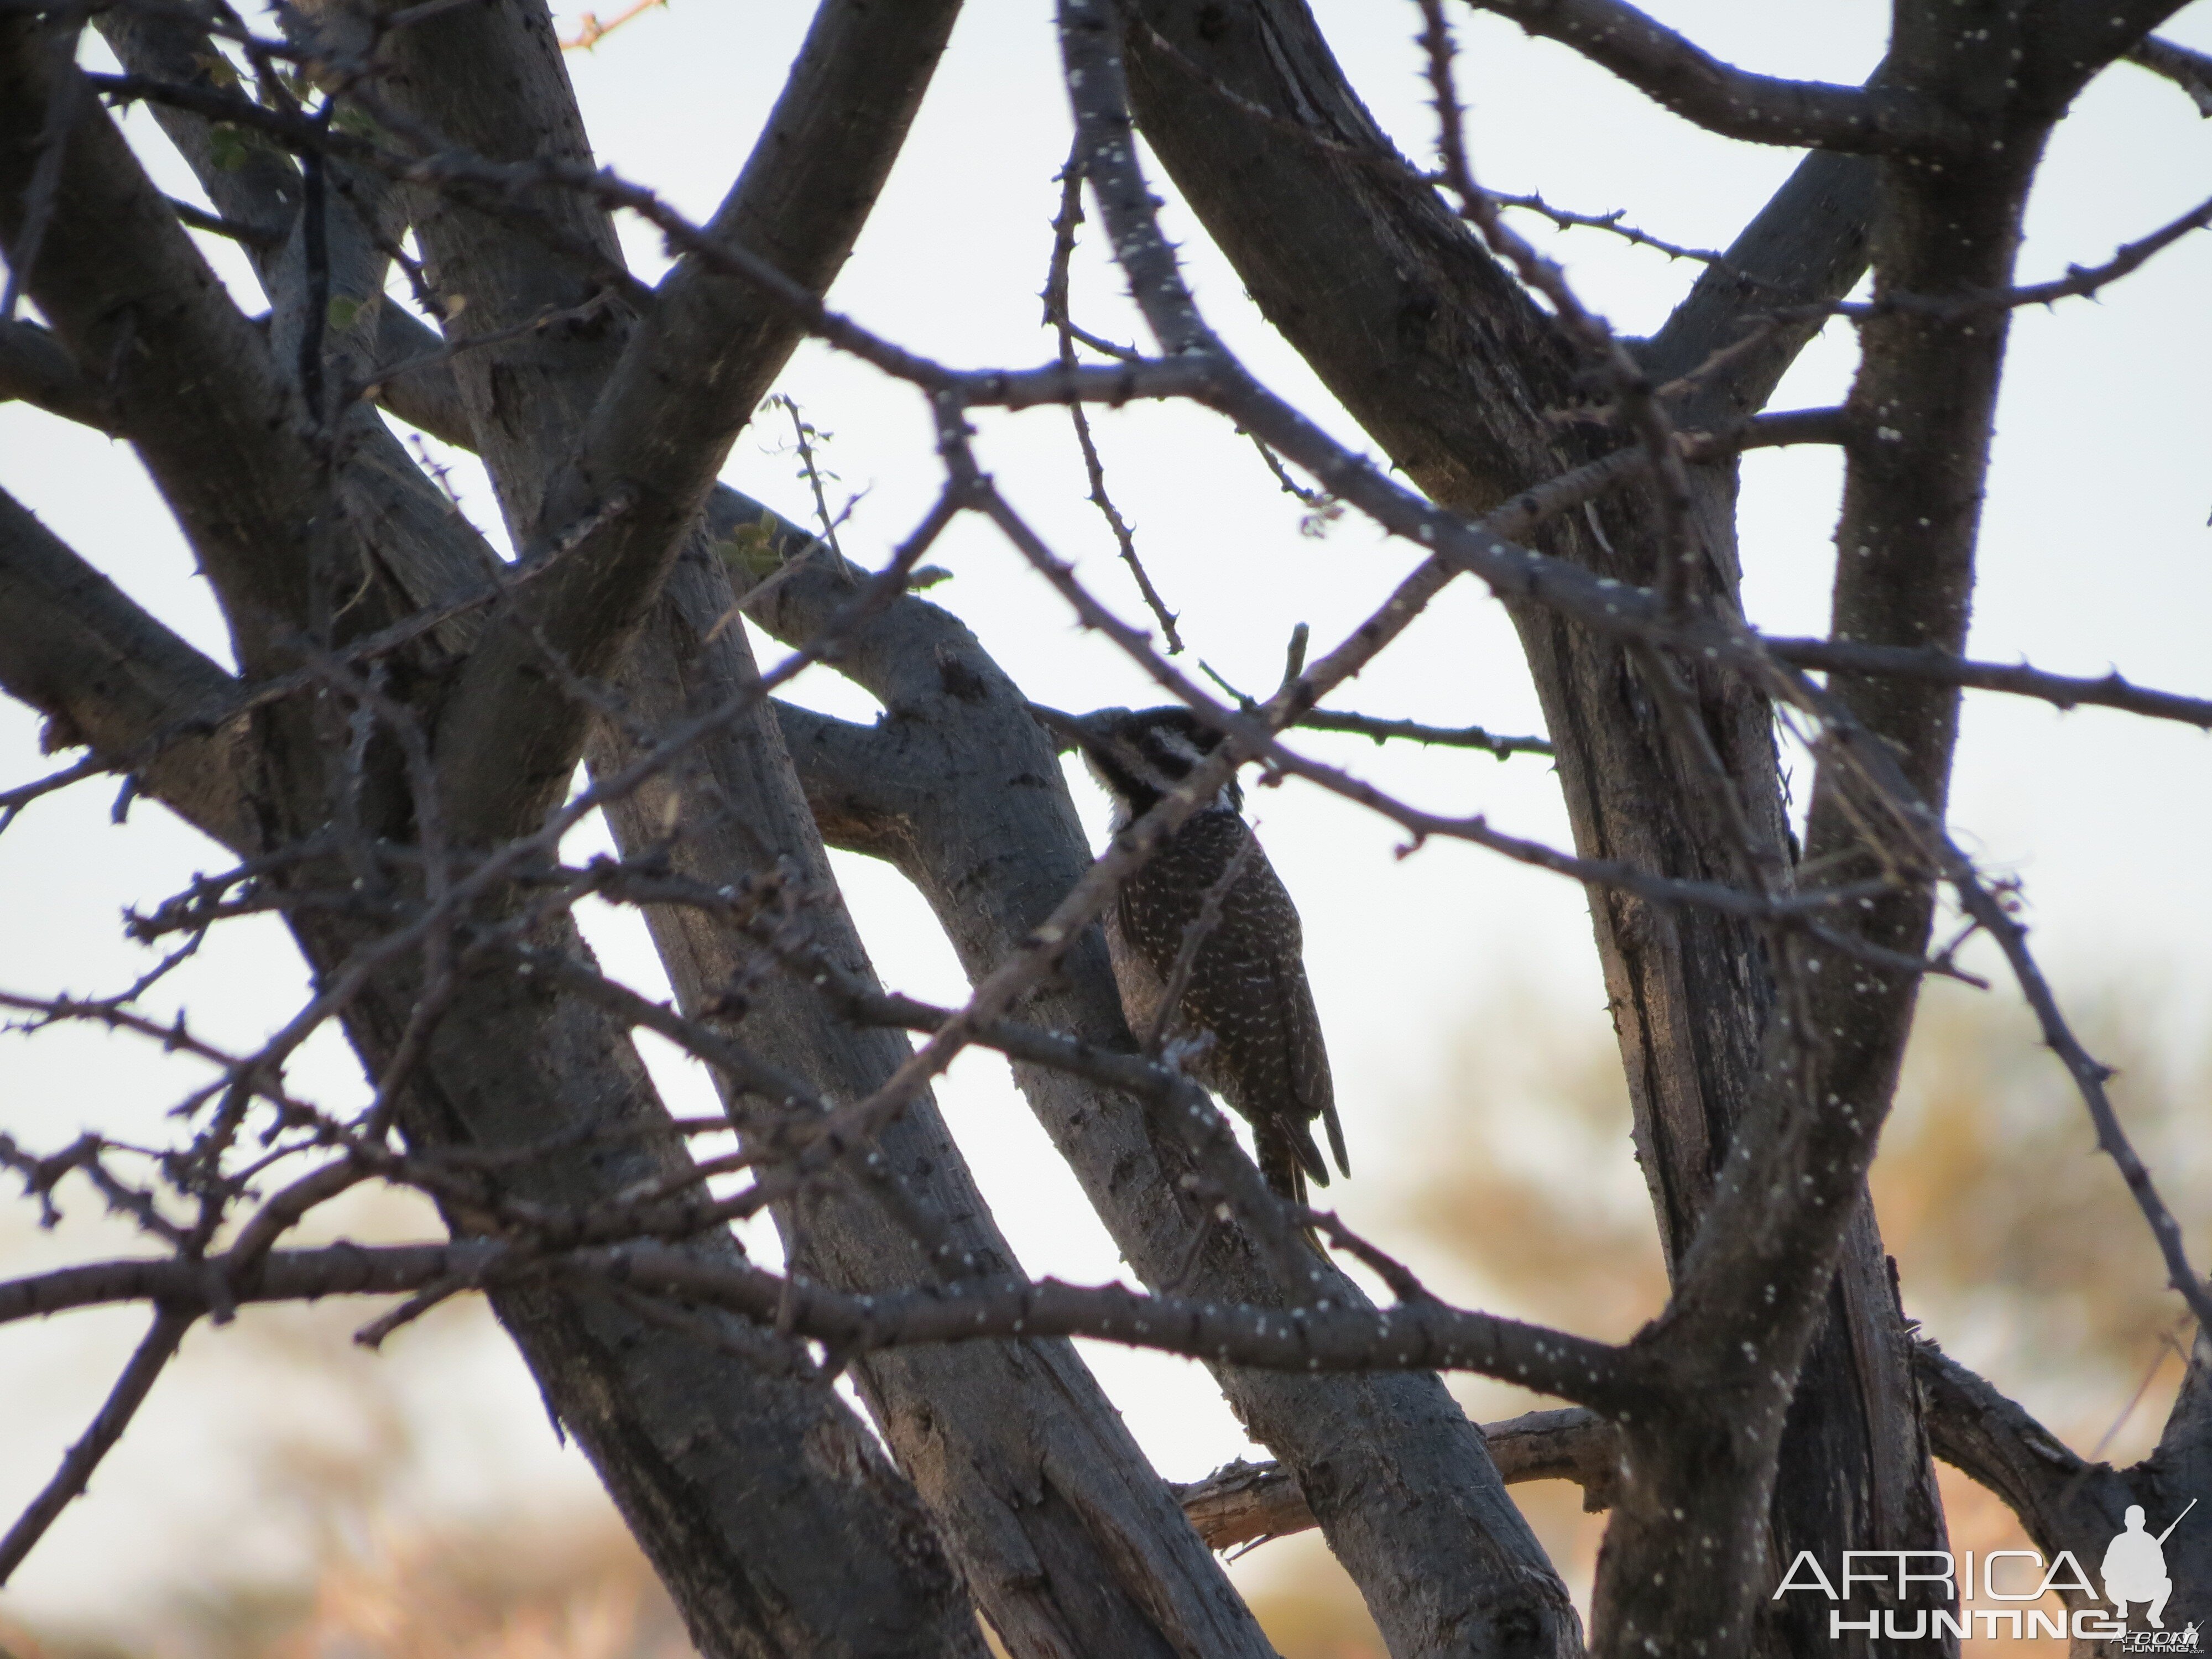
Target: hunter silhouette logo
{"type": "Point", "coordinates": [2133, 1570]}
{"type": "Point", "coordinates": [2135, 1567]}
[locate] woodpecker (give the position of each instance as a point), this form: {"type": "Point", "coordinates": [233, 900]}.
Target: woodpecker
{"type": "Point", "coordinates": [1247, 991]}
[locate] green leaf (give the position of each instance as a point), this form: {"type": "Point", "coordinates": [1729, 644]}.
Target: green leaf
{"type": "Point", "coordinates": [750, 552]}
{"type": "Point", "coordinates": [217, 68]}
{"type": "Point", "coordinates": [343, 311]}
{"type": "Point", "coordinates": [225, 146]}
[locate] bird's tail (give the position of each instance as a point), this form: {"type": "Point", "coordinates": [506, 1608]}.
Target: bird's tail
{"type": "Point", "coordinates": [1284, 1171]}
{"type": "Point", "coordinates": [1281, 1166]}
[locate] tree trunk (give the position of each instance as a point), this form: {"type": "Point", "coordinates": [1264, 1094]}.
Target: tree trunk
{"type": "Point", "coordinates": [1449, 366]}
{"type": "Point", "coordinates": [959, 787]}
{"type": "Point", "coordinates": [1070, 1541]}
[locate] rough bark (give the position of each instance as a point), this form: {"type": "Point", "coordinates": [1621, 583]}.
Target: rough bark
{"type": "Point", "coordinates": [2067, 1502]}
{"type": "Point", "coordinates": [1071, 1541]}
{"type": "Point", "coordinates": [964, 794]}
{"type": "Point", "coordinates": [1455, 374]}
{"type": "Point", "coordinates": [104, 674]}
{"type": "Point", "coordinates": [2180, 1468]}
{"type": "Point", "coordinates": [755, 1491]}
{"type": "Point", "coordinates": [1945, 234]}
{"type": "Point", "coordinates": [124, 290]}
{"type": "Point", "coordinates": [777, 1524]}
{"type": "Point", "coordinates": [1248, 1503]}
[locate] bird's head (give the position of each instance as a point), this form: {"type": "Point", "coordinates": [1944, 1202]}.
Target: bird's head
{"type": "Point", "coordinates": [1138, 755]}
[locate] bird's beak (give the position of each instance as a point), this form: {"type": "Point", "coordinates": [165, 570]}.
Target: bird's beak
{"type": "Point", "coordinates": [1069, 731]}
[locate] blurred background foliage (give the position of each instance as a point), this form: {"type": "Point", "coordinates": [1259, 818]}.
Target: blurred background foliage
{"type": "Point", "coordinates": [2017, 1247]}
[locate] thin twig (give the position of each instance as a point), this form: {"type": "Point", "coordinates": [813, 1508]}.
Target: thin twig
{"type": "Point", "coordinates": [2111, 691]}
{"type": "Point", "coordinates": [372, 1335]}
{"type": "Point", "coordinates": [1381, 730]}
{"type": "Point", "coordinates": [590, 31]}
{"type": "Point", "coordinates": [1314, 499]}
{"type": "Point", "coordinates": [2089, 1075]}
{"type": "Point", "coordinates": [154, 1352]}
{"type": "Point", "coordinates": [804, 435]}
{"type": "Point", "coordinates": [13, 801]}
{"type": "Point", "coordinates": [1611, 224]}
{"type": "Point", "coordinates": [1404, 1284]}
{"type": "Point", "coordinates": [2190, 71]}
{"type": "Point", "coordinates": [1056, 309]}
{"type": "Point", "coordinates": [1447, 737]}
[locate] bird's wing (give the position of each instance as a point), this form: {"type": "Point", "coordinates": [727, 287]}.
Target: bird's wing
{"type": "Point", "coordinates": [1250, 989]}
{"type": "Point", "coordinates": [1310, 1077]}
{"type": "Point", "coordinates": [1161, 901]}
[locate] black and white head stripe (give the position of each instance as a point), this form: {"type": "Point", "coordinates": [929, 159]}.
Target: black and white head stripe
{"type": "Point", "coordinates": [1138, 754]}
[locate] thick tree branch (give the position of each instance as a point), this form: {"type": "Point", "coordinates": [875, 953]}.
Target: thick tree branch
{"type": "Point", "coordinates": [487, 86]}
{"type": "Point", "coordinates": [1248, 1503]}
{"type": "Point", "coordinates": [1452, 1562]}
{"type": "Point", "coordinates": [37, 368]}
{"type": "Point", "coordinates": [684, 384]}
{"type": "Point", "coordinates": [1454, 374]}
{"type": "Point", "coordinates": [2063, 1502]}
{"type": "Point", "coordinates": [1756, 1283]}
{"type": "Point", "coordinates": [982, 822]}
{"type": "Point", "coordinates": [619, 1383]}
{"type": "Point", "coordinates": [128, 294]}
{"type": "Point", "coordinates": [404, 529]}
{"type": "Point", "coordinates": [1806, 246]}
{"type": "Point", "coordinates": [106, 674]}
{"type": "Point", "coordinates": [686, 1430]}
{"type": "Point", "coordinates": [1425, 1335]}
{"type": "Point", "coordinates": [950, 1417]}
{"type": "Point", "coordinates": [852, 777]}
{"type": "Point", "coordinates": [426, 395]}
{"type": "Point", "coordinates": [1684, 78]}
{"type": "Point", "coordinates": [2067, 41]}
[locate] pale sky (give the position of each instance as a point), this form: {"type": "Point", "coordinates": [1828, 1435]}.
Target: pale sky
{"type": "Point", "coordinates": [2095, 553]}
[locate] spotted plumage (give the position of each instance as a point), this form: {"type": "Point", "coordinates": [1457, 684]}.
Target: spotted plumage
{"type": "Point", "coordinates": [1247, 989]}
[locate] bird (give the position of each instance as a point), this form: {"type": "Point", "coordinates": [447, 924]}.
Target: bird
{"type": "Point", "coordinates": [1246, 1006]}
